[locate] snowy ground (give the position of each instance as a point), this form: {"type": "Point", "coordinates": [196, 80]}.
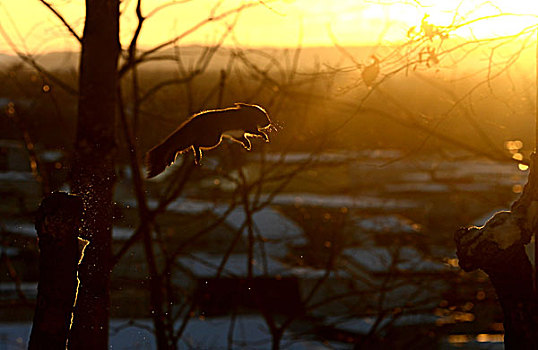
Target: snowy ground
{"type": "Point", "coordinates": [250, 332]}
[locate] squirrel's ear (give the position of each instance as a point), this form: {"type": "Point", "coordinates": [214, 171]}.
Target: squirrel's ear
{"type": "Point", "coordinates": [241, 104]}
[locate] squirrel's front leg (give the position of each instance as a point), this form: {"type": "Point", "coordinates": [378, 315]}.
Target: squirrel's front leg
{"type": "Point", "coordinates": [259, 133]}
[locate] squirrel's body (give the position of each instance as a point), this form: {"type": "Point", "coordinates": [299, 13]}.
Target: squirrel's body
{"type": "Point", "coordinates": [205, 130]}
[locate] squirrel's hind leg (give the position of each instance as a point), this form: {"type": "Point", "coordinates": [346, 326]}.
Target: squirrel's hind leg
{"type": "Point", "coordinates": [197, 154]}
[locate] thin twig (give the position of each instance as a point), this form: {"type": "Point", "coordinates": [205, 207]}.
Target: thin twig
{"type": "Point", "coordinates": [62, 19]}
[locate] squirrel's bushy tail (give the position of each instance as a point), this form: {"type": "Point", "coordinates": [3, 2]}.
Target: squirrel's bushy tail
{"type": "Point", "coordinates": [161, 156]}
{"type": "Point", "coordinates": [157, 159]}
{"type": "Point", "coordinates": [164, 154]}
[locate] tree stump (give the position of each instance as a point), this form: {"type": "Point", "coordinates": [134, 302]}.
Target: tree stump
{"type": "Point", "coordinates": [498, 248]}
{"type": "Point", "coordinates": [57, 223]}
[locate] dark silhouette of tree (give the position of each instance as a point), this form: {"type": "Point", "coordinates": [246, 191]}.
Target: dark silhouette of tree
{"type": "Point", "coordinates": [57, 224]}
{"type": "Point", "coordinates": [93, 168]}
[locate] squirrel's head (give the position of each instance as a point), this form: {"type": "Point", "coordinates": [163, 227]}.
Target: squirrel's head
{"type": "Point", "coordinates": [258, 113]}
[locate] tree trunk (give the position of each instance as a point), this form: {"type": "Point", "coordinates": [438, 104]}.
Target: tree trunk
{"type": "Point", "coordinates": [93, 173]}
{"type": "Point", "coordinates": [276, 338]}
{"type": "Point", "coordinates": [57, 225]}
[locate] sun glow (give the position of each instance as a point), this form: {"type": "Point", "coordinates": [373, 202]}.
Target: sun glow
{"type": "Point", "coordinates": [485, 19]}
{"type": "Point", "coordinates": [272, 23]}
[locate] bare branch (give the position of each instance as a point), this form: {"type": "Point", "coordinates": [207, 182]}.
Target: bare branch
{"type": "Point", "coordinates": [62, 19]}
{"type": "Point", "coordinates": [164, 6]}
{"type": "Point", "coordinates": [128, 65]}
{"type": "Point", "coordinates": [27, 58]}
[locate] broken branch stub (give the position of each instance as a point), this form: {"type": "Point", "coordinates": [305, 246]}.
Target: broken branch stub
{"type": "Point", "coordinates": [477, 247]}
{"type": "Point", "coordinates": [498, 248]}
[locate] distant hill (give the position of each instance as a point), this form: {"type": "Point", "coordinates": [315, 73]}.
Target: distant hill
{"type": "Point", "coordinates": [52, 61]}
{"type": "Point", "coordinates": [309, 57]}
{"type": "Point", "coordinates": [7, 60]}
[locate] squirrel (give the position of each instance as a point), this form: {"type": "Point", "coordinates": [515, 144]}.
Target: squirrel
{"type": "Point", "coordinates": [205, 130]}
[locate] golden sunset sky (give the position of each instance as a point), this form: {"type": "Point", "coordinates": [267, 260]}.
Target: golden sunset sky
{"type": "Point", "coordinates": [283, 23]}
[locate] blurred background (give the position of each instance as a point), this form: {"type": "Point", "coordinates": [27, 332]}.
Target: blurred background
{"type": "Point", "coordinates": [395, 123]}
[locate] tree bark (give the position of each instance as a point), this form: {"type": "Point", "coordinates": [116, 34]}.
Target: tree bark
{"type": "Point", "coordinates": [93, 173]}
{"type": "Point", "coordinates": [498, 248]}
{"type": "Point", "coordinates": [510, 272]}
{"type": "Point", "coordinates": [57, 225]}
